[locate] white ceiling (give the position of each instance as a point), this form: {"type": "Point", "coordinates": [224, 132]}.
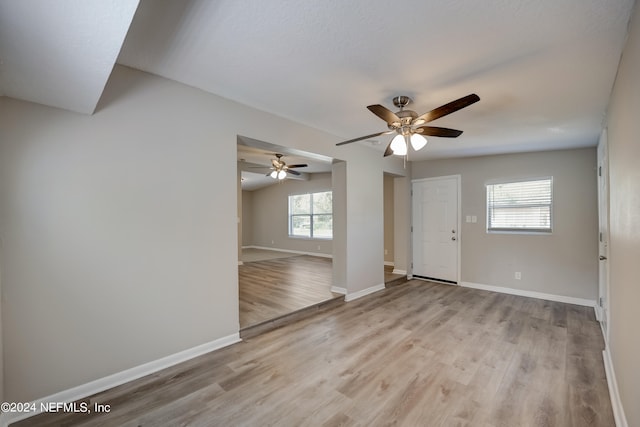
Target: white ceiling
{"type": "Point", "coordinates": [543, 69]}
{"type": "Point", "coordinates": [61, 53]}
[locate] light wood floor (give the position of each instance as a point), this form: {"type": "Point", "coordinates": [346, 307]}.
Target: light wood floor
{"type": "Point", "coordinates": [418, 354]}
{"type": "Point", "coordinates": [272, 288]}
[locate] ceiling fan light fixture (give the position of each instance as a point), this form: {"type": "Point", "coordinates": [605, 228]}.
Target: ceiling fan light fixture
{"type": "Point", "coordinates": [282, 174]}
{"type": "Point", "coordinates": [398, 145]}
{"type": "Point", "coordinates": [274, 174]}
{"type": "Point", "coordinates": [418, 141]}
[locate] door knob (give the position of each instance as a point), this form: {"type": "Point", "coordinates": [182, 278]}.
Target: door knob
{"type": "Point", "coordinates": [453, 238]}
{"type": "Point", "coordinates": [602, 257]}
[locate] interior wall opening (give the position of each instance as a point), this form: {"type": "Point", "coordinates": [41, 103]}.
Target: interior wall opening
{"type": "Point", "coordinates": [285, 233]}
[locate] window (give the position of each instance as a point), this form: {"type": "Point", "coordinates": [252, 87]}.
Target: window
{"type": "Point", "coordinates": [311, 215]}
{"type": "Point", "coordinates": [524, 206]}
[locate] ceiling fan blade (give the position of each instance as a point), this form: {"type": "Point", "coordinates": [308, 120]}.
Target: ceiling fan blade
{"type": "Point", "coordinates": [449, 108]}
{"type": "Point", "coordinates": [385, 114]}
{"type": "Point", "coordinates": [373, 135]}
{"type": "Point", "coordinates": [302, 165]}
{"type": "Point", "coordinates": [275, 163]}
{"type": "Point", "coordinates": [436, 131]}
{"type": "Point", "coordinates": [293, 172]}
{"type": "Point", "coordinates": [388, 151]}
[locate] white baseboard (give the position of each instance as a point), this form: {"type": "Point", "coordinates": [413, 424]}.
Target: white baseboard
{"type": "Point", "coordinates": [396, 271]}
{"type": "Point", "coordinates": [338, 290]}
{"type": "Point", "coordinates": [119, 378]}
{"type": "Point", "coordinates": [320, 254]}
{"type": "Point", "coordinates": [389, 263]}
{"type": "Point", "coordinates": [364, 292]}
{"type": "Point", "coordinates": [531, 294]}
{"type": "Point", "coordinates": [598, 312]}
{"type": "Point", "coordinates": [616, 403]}
{"type": "Point", "coordinates": [240, 263]}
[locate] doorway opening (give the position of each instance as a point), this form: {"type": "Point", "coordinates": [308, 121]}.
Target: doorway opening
{"type": "Point", "coordinates": [285, 248]}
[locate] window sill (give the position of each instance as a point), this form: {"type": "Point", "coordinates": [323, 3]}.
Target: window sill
{"type": "Point", "coordinates": [530, 233]}
{"type": "Point", "coordinates": [311, 238]}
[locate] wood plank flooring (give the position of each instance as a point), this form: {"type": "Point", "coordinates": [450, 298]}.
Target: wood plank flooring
{"type": "Point", "coordinates": [272, 288]}
{"type": "Point", "coordinates": [418, 354]}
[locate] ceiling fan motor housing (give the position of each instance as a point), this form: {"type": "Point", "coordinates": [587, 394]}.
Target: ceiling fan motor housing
{"type": "Point", "coordinates": [406, 116]}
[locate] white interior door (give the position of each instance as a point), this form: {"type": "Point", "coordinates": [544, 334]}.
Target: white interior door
{"type": "Point", "coordinates": [603, 244]}
{"type": "Point", "coordinates": [435, 229]}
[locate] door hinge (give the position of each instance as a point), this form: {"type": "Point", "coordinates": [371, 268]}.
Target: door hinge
{"type": "Point", "coordinates": [599, 170]}
{"type": "Point", "coordinates": [601, 236]}
{"type": "Point", "coordinates": [600, 302]}
{"type": "Point", "coordinates": [412, 228]}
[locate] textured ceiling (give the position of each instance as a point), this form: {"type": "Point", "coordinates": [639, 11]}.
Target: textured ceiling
{"type": "Point", "coordinates": [543, 69]}
{"type": "Point", "coordinates": [61, 53]}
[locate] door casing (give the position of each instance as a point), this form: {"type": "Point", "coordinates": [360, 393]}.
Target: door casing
{"type": "Point", "coordinates": [458, 179]}
{"type": "Point", "coordinates": [602, 307]}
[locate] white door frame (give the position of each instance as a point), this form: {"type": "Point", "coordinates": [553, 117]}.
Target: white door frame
{"type": "Point", "coordinates": [602, 307]}
{"type": "Point", "coordinates": [458, 179]}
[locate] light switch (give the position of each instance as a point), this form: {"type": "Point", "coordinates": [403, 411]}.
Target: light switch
{"type": "Point", "coordinates": [474, 219]}
{"type": "Point", "coordinates": [468, 218]}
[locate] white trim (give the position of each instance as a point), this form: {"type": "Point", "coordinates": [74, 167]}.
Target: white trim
{"type": "Point", "coordinates": [598, 312]}
{"type": "Point", "coordinates": [338, 290]}
{"type": "Point", "coordinates": [240, 263]}
{"type": "Point", "coordinates": [389, 263]}
{"type": "Point", "coordinates": [122, 377]}
{"type": "Point", "coordinates": [616, 403]}
{"type": "Point", "coordinates": [364, 292]}
{"type": "Point", "coordinates": [396, 271]}
{"type": "Point", "coordinates": [459, 209]}
{"type": "Point", "coordinates": [531, 294]}
{"type": "Point", "coordinates": [289, 251]}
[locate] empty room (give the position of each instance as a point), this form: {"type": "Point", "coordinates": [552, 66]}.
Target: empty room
{"type": "Point", "coordinates": [319, 213]}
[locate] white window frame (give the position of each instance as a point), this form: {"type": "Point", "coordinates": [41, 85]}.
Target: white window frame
{"type": "Point", "coordinates": [310, 215]}
{"type": "Point", "coordinates": [519, 230]}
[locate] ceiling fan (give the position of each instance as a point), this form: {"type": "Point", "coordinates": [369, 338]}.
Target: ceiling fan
{"type": "Point", "coordinates": [410, 128]}
{"type": "Point", "coordinates": [279, 169]}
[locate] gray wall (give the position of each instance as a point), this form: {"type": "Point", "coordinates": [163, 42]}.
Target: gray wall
{"type": "Point", "coordinates": [624, 216]}
{"type": "Point", "coordinates": [268, 215]}
{"type": "Point", "coordinates": [247, 218]}
{"type": "Point", "coordinates": [120, 230]}
{"type": "Point", "coordinates": [564, 263]}
{"type": "Point", "coordinates": [402, 223]}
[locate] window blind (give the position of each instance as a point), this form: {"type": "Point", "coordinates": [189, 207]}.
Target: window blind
{"type": "Point", "coordinates": [520, 206]}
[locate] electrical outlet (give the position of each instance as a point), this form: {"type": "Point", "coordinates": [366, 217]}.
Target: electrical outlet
{"type": "Point", "coordinates": [318, 247]}
{"type": "Point", "coordinates": [518, 275]}
{"type": "Point", "coordinates": [386, 252]}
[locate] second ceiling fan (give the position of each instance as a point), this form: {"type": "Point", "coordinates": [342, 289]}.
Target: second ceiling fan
{"type": "Point", "coordinates": [410, 128]}
{"type": "Point", "coordinates": [279, 169]}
